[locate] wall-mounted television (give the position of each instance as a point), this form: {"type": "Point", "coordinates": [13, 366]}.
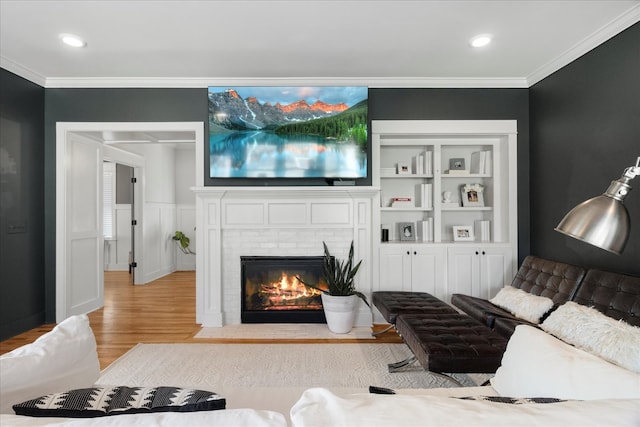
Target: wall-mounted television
{"type": "Point", "coordinates": [287, 135]}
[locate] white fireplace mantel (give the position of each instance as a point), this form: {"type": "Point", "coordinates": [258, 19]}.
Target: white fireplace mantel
{"type": "Point", "coordinates": [236, 221]}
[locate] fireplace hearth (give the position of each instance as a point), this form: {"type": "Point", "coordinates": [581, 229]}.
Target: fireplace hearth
{"type": "Point", "coordinates": [271, 292]}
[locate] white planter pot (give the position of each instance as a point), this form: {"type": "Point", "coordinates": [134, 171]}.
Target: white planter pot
{"type": "Point", "coordinates": [340, 312]}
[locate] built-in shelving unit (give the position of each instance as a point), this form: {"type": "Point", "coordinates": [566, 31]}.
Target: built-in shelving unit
{"type": "Point", "coordinates": [454, 184]}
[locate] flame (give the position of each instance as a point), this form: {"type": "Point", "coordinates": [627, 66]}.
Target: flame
{"type": "Point", "coordinates": [287, 291]}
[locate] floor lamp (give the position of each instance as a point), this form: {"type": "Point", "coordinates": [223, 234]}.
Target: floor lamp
{"type": "Point", "coordinates": [603, 221]}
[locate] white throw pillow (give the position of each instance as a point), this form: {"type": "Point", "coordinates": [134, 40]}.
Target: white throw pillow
{"type": "Point", "coordinates": [588, 329]}
{"type": "Point", "coordinates": [536, 364]}
{"type": "Point", "coordinates": [63, 359]}
{"type": "Point", "coordinates": [522, 304]}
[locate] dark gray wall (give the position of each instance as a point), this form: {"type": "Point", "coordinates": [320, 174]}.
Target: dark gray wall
{"type": "Point", "coordinates": [22, 303]}
{"type": "Point", "coordinates": [585, 131]}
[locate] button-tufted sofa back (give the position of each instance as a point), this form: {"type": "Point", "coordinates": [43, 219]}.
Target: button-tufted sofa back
{"type": "Point", "coordinates": [552, 279]}
{"type": "Point", "coordinates": [615, 295]}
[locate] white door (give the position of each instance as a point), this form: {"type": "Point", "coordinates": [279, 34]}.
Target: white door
{"type": "Point", "coordinates": [79, 258]}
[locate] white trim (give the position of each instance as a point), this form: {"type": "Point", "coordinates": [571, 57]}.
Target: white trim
{"type": "Point", "coordinates": [203, 82]}
{"type": "Point", "coordinates": [616, 26]}
{"type": "Point", "coordinates": [62, 130]}
{"type": "Point", "coordinates": [23, 71]}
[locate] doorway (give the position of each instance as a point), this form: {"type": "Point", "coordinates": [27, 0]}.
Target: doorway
{"type": "Point", "coordinates": [80, 150]}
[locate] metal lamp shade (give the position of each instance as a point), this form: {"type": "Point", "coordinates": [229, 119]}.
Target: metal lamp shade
{"type": "Point", "coordinates": [602, 221]}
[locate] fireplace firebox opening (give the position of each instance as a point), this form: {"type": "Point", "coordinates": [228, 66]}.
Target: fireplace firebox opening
{"type": "Point", "coordinates": [271, 292]}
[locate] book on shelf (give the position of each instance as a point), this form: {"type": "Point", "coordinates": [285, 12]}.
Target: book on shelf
{"type": "Point", "coordinates": [483, 230]}
{"type": "Point", "coordinates": [481, 162]}
{"type": "Point", "coordinates": [424, 195]}
{"type": "Point", "coordinates": [458, 172]}
{"type": "Point", "coordinates": [422, 163]}
{"type": "Point", "coordinates": [397, 202]}
{"type": "Point", "coordinates": [387, 171]}
{"type": "Point", "coordinates": [424, 230]}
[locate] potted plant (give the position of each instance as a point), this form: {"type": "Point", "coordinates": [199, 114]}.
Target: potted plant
{"type": "Point", "coordinates": [183, 241]}
{"type": "Point", "coordinates": [339, 298]}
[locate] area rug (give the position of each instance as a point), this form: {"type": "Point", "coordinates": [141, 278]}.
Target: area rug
{"type": "Point", "coordinates": [269, 365]}
{"type": "Point", "coordinates": [283, 331]}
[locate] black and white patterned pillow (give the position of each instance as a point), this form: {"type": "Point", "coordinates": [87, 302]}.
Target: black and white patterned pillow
{"type": "Point", "coordinates": [513, 400]}
{"type": "Point", "coordinates": [102, 401]}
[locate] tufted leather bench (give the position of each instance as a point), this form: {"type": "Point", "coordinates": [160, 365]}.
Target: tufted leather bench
{"type": "Point", "coordinates": [392, 303]}
{"type": "Point", "coordinates": [451, 343]}
{"type": "Point", "coordinates": [538, 276]}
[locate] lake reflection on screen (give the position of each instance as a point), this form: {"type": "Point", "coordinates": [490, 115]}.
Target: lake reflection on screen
{"type": "Point", "coordinates": [263, 154]}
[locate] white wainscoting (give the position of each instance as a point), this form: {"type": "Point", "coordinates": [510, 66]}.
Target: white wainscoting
{"type": "Point", "coordinates": [159, 228]}
{"type": "Point", "coordinates": [236, 221]}
{"type": "Point", "coordinates": [186, 220]}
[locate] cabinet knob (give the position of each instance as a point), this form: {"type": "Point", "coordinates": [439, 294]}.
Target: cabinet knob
{"type": "Point", "coordinates": [408, 253]}
{"type": "Point", "coordinates": [483, 253]}
{"type": "Point", "coordinates": [415, 252]}
{"type": "Point", "coordinates": [476, 252]}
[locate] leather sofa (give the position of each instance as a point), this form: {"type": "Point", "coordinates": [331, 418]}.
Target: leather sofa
{"type": "Point", "coordinates": [474, 338]}
{"type": "Point", "coordinates": [538, 276]}
{"type": "Point", "coordinates": [616, 295]}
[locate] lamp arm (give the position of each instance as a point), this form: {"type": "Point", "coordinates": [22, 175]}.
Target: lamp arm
{"type": "Point", "coordinates": [632, 171]}
{"type": "Point", "coordinates": [620, 187]}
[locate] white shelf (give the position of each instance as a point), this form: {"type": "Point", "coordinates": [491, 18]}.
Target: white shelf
{"type": "Point", "coordinates": [406, 176]}
{"type": "Point", "coordinates": [469, 209]}
{"type": "Point", "coordinates": [407, 209]}
{"type": "Point", "coordinates": [470, 175]}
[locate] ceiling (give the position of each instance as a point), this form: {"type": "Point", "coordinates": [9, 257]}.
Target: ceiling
{"type": "Point", "coordinates": [376, 43]}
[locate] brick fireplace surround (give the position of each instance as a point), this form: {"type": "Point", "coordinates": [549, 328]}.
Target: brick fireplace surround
{"type": "Point", "coordinates": [274, 221]}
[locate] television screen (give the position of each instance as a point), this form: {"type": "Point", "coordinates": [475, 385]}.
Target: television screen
{"type": "Point", "coordinates": [288, 132]}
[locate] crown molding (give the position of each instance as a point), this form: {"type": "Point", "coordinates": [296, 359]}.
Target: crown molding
{"type": "Point", "coordinates": [22, 71]}
{"type": "Point", "coordinates": [606, 32]}
{"type": "Point", "coordinates": [617, 25]}
{"type": "Point", "coordinates": [203, 82]}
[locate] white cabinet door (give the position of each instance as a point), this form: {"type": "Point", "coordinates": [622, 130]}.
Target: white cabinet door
{"type": "Point", "coordinates": [427, 270]}
{"type": "Point", "coordinates": [463, 265]}
{"type": "Point", "coordinates": [417, 268]}
{"type": "Point", "coordinates": [495, 270]}
{"type": "Point", "coordinates": [480, 271]}
{"type": "Point", "coordinates": [394, 268]}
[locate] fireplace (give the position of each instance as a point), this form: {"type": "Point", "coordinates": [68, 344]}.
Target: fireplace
{"type": "Point", "coordinates": [271, 292]}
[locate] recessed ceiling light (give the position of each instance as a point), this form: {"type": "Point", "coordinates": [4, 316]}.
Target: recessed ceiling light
{"type": "Point", "coordinates": [72, 40]}
{"type": "Point", "coordinates": [480, 40]}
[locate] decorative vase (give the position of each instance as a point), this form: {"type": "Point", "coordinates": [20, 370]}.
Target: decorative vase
{"type": "Point", "coordinates": [340, 312]}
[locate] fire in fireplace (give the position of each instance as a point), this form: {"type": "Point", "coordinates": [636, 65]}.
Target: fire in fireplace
{"type": "Point", "coordinates": [271, 292]}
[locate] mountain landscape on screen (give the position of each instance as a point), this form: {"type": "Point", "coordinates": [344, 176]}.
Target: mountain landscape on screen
{"type": "Point", "coordinates": [288, 132]}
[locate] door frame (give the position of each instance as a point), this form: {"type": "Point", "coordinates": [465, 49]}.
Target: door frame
{"type": "Point", "coordinates": [63, 130]}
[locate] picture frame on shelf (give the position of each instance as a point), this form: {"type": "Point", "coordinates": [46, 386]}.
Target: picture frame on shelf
{"type": "Point", "coordinates": [406, 231]}
{"type": "Point", "coordinates": [404, 169]}
{"type": "Point", "coordinates": [463, 233]}
{"type": "Point", "coordinates": [456, 164]}
{"type": "Point", "coordinates": [472, 195]}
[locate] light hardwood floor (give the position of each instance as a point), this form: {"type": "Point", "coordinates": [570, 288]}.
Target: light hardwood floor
{"type": "Point", "coordinates": [162, 311]}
